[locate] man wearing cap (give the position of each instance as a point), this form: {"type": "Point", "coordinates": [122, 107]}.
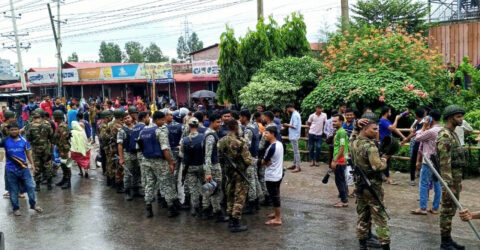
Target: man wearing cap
{"type": "Point", "coordinates": [192, 151]}
{"type": "Point", "coordinates": [451, 157]}
{"type": "Point", "coordinates": [61, 139]}
{"type": "Point", "coordinates": [365, 155]}
{"type": "Point", "coordinates": [105, 141]}
{"type": "Point", "coordinates": [126, 140]}
{"type": "Point", "coordinates": [116, 172]}
{"type": "Point", "coordinates": [174, 135]}
{"type": "Point", "coordinates": [133, 112]}
{"type": "Point", "coordinates": [40, 134]}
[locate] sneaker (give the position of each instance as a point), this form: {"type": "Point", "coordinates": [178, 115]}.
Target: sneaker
{"type": "Point", "coordinates": [412, 183]}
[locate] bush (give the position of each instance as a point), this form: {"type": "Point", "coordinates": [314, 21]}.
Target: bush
{"type": "Point", "coordinates": [268, 92]}
{"type": "Point", "coordinates": [374, 90]}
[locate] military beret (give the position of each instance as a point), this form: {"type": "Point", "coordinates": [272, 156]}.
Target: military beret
{"type": "Point", "coordinates": [452, 110]}
{"type": "Point", "coordinates": [57, 114]}
{"type": "Point", "coordinates": [132, 109]}
{"type": "Point", "coordinates": [118, 113]}
{"type": "Point", "coordinates": [9, 114]}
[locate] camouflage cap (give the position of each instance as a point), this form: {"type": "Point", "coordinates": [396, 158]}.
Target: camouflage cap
{"type": "Point", "coordinates": [36, 114]}
{"type": "Point", "coordinates": [39, 111]}
{"type": "Point", "coordinates": [452, 110]}
{"type": "Point", "coordinates": [57, 114]}
{"type": "Point", "coordinates": [118, 113]}
{"type": "Point", "coordinates": [108, 113]}
{"type": "Point", "coordinates": [193, 121]}
{"type": "Point", "coordinates": [9, 114]}
{"type": "Point", "coordinates": [132, 110]}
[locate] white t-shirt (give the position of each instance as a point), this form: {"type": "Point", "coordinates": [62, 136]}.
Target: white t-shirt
{"type": "Point", "coordinates": [317, 123]}
{"type": "Point", "coordinates": [274, 154]}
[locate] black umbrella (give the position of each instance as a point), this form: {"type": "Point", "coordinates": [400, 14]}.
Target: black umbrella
{"type": "Point", "coordinates": [204, 94]}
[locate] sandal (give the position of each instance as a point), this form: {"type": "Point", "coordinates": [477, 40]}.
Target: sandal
{"type": "Point", "coordinates": [6, 195]}
{"type": "Point", "coordinates": [292, 167]}
{"type": "Point", "coordinates": [418, 211]}
{"type": "Point", "coordinates": [271, 216]}
{"type": "Point", "coordinates": [433, 211]}
{"type": "Point", "coordinates": [392, 182]}
{"type": "Point", "coordinates": [273, 223]}
{"type": "Point", "coordinates": [17, 212]}
{"type": "Point", "coordinates": [296, 170]}
{"type": "Point", "coordinates": [38, 209]}
{"type": "Point", "coordinates": [341, 204]}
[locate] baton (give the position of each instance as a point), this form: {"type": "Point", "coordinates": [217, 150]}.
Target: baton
{"type": "Point", "coordinates": [459, 206]}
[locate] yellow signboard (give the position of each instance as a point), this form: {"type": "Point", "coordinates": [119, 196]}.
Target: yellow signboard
{"type": "Point", "coordinates": [89, 74]}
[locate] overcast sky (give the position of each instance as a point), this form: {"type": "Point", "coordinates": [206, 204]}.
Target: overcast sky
{"type": "Point", "coordinates": [91, 21]}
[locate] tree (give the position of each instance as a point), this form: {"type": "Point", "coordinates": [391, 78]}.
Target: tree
{"type": "Point", "coordinates": [73, 57]}
{"type": "Point", "coordinates": [110, 52]}
{"type": "Point", "coordinates": [233, 75]}
{"type": "Point", "coordinates": [294, 33]}
{"type": "Point", "coordinates": [134, 52]}
{"type": "Point", "coordinates": [384, 13]}
{"type": "Point", "coordinates": [153, 53]}
{"type": "Point", "coordinates": [184, 48]}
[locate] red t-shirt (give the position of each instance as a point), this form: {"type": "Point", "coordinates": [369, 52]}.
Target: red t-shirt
{"type": "Point", "coordinates": [47, 107]}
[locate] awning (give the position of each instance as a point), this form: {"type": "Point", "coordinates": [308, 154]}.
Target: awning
{"type": "Point", "coordinates": [104, 82]}
{"type": "Point", "coordinates": [18, 85]}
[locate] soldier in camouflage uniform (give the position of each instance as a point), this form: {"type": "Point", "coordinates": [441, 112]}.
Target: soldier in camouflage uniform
{"type": "Point", "coordinates": [157, 163]}
{"type": "Point", "coordinates": [193, 154]}
{"type": "Point", "coordinates": [252, 137]}
{"type": "Point", "coordinates": [40, 134]}
{"type": "Point", "coordinates": [451, 156]}
{"type": "Point", "coordinates": [128, 157]}
{"type": "Point", "coordinates": [365, 155]}
{"type": "Point", "coordinates": [211, 168]}
{"type": "Point", "coordinates": [105, 142]}
{"type": "Point", "coordinates": [263, 145]}
{"type": "Point", "coordinates": [61, 139]}
{"type": "Point", "coordinates": [116, 172]}
{"type": "Point", "coordinates": [234, 147]}
{"type": "Point", "coordinates": [144, 121]}
{"type": "Point", "coordinates": [133, 112]}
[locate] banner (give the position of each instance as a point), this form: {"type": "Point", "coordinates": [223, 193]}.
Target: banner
{"type": "Point", "coordinates": [89, 74]}
{"type": "Point", "coordinates": [163, 72]}
{"type": "Point", "coordinates": [205, 68]}
{"type": "Point", "coordinates": [129, 71]}
{"type": "Point", "coordinates": [68, 75]}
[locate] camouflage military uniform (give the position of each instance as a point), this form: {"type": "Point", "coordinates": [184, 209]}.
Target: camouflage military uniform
{"type": "Point", "coordinates": [212, 169]}
{"type": "Point", "coordinates": [263, 145]}
{"type": "Point", "coordinates": [167, 182]}
{"type": "Point", "coordinates": [132, 177]}
{"type": "Point", "coordinates": [236, 149]}
{"type": "Point", "coordinates": [194, 178]}
{"type": "Point", "coordinates": [115, 170]}
{"type": "Point", "coordinates": [252, 172]}
{"type": "Point", "coordinates": [105, 141]}
{"type": "Point", "coordinates": [366, 156]}
{"type": "Point", "coordinates": [451, 156]}
{"type": "Point", "coordinates": [61, 139]}
{"type": "Point", "coordinates": [140, 159]}
{"type": "Point", "coordinates": [39, 134]}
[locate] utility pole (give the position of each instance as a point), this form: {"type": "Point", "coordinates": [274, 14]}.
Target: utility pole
{"type": "Point", "coordinates": [59, 56]}
{"type": "Point", "coordinates": [59, 49]}
{"type": "Point", "coordinates": [345, 17]}
{"type": "Point", "coordinates": [259, 9]}
{"type": "Point", "coordinates": [17, 43]}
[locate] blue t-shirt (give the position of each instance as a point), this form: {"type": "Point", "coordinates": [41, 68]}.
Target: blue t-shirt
{"type": "Point", "coordinates": [279, 128]}
{"type": "Point", "coordinates": [88, 129]}
{"type": "Point", "coordinates": [383, 128]}
{"type": "Point", "coordinates": [16, 150]}
{"type": "Point", "coordinates": [72, 116]}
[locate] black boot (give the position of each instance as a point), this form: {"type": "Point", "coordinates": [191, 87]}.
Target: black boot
{"type": "Point", "coordinates": [186, 203]}
{"type": "Point", "coordinates": [386, 247]}
{"type": "Point", "coordinates": [363, 244]}
{"type": "Point", "coordinates": [109, 182]}
{"type": "Point", "coordinates": [37, 186]}
{"type": "Point", "coordinates": [172, 211]}
{"type": "Point", "coordinates": [230, 222]}
{"type": "Point", "coordinates": [129, 194]}
{"type": "Point", "coordinates": [120, 189]}
{"type": "Point", "coordinates": [195, 211]}
{"type": "Point", "coordinates": [177, 204]}
{"type": "Point", "coordinates": [237, 226]}
{"type": "Point", "coordinates": [449, 244]}
{"type": "Point", "coordinates": [66, 184]}
{"type": "Point", "coordinates": [220, 217]}
{"type": "Point", "coordinates": [59, 184]}
{"type": "Point", "coordinates": [49, 184]}
{"type": "Point", "coordinates": [206, 214]}
{"type": "Point", "coordinates": [149, 211]}
{"type": "Point", "coordinates": [373, 242]}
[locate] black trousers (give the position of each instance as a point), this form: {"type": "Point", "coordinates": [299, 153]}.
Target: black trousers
{"type": "Point", "coordinates": [273, 188]}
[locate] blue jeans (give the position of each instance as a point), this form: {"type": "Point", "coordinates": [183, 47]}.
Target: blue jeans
{"type": "Point", "coordinates": [426, 177]}
{"type": "Point", "coordinates": [94, 130]}
{"type": "Point", "coordinates": [341, 182]}
{"type": "Point", "coordinates": [314, 145]}
{"type": "Point", "coordinates": [17, 180]}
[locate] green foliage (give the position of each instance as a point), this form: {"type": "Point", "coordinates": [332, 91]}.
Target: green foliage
{"type": "Point", "coordinates": [384, 13]}
{"type": "Point", "coordinates": [467, 68]}
{"type": "Point", "coordinates": [153, 53]}
{"type": "Point", "coordinates": [250, 53]}
{"type": "Point", "coordinates": [187, 46]}
{"type": "Point", "coordinates": [73, 57]}
{"type": "Point", "coordinates": [134, 52]}
{"type": "Point", "coordinates": [268, 92]}
{"type": "Point", "coordinates": [109, 52]}
{"type": "Point", "coordinates": [233, 74]}
{"type": "Point", "coordinates": [374, 90]}
{"type": "Point", "coordinates": [473, 118]}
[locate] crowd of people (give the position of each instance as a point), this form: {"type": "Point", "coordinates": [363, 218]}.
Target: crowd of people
{"type": "Point", "coordinates": [221, 164]}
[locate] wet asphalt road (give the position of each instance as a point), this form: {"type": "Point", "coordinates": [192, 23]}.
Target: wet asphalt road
{"type": "Point", "coordinates": [92, 216]}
